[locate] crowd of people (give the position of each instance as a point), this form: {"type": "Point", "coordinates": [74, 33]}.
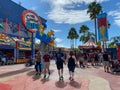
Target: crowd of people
{"type": "Point", "coordinates": [73, 60]}
{"type": "Point", "coordinates": [60, 59]}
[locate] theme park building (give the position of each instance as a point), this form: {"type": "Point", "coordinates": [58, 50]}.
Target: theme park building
{"type": "Point", "coordinates": [15, 40]}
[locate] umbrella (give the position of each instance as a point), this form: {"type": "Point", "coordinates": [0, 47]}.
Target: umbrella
{"type": "Point", "coordinates": [1, 26]}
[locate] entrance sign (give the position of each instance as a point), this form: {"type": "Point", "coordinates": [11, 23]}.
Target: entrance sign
{"type": "Point", "coordinates": [31, 21]}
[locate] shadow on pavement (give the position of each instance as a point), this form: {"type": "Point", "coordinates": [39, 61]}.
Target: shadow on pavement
{"type": "Point", "coordinates": [44, 80]}
{"type": "Point", "coordinates": [31, 73]}
{"type": "Point", "coordinates": [75, 84]}
{"type": "Point", "coordinates": [115, 73]}
{"type": "Point", "coordinates": [36, 77]}
{"type": "Point", "coordinates": [61, 84]}
{"type": "Point", "coordinates": [14, 72]}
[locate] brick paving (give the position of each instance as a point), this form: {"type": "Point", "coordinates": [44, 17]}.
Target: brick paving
{"type": "Point", "coordinates": [19, 77]}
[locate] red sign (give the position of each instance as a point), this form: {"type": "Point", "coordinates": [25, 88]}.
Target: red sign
{"type": "Point", "coordinates": [31, 21]}
{"type": "Point", "coordinates": [118, 52]}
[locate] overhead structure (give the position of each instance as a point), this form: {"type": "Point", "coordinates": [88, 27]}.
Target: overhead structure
{"type": "Point", "coordinates": [89, 45]}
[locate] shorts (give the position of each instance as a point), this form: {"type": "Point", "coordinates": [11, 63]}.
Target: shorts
{"type": "Point", "coordinates": [46, 65]}
{"type": "Point", "coordinates": [71, 68]}
{"type": "Point", "coordinates": [59, 65]}
{"type": "Point", "coordinates": [106, 63]}
{"type": "Point", "coordinates": [92, 60]}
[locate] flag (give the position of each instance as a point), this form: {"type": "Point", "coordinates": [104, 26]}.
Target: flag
{"type": "Point", "coordinates": [102, 27]}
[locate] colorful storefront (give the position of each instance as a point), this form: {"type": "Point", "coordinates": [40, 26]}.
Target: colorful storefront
{"type": "Point", "coordinates": [13, 36]}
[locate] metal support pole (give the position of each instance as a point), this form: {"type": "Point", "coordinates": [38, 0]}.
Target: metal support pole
{"type": "Point", "coordinates": [32, 48]}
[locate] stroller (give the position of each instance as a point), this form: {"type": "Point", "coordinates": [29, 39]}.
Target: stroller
{"type": "Point", "coordinates": [115, 66]}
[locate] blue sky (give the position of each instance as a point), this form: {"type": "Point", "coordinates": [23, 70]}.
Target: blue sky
{"type": "Point", "coordinates": [61, 15]}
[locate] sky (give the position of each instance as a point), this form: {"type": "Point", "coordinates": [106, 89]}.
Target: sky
{"type": "Point", "coordinates": [61, 15]}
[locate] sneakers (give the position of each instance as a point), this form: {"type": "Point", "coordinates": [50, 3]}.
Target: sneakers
{"type": "Point", "coordinates": [36, 73]}
{"type": "Point", "coordinates": [49, 73]}
{"type": "Point", "coordinates": [61, 78]}
{"type": "Point", "coordinates": [39, 73]}
{"type": "Point", "coordinates": [71, 79]}
{"type": "Point", "coordinates": [44, 76]}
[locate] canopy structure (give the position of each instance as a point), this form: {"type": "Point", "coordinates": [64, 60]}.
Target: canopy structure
{"type": "Point", "coordinates": [89, 45]}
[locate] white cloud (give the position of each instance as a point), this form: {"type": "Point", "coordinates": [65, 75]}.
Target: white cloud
{"type": "Point", "coordinates": [33, 8]}
{"type": "Point", "coordinates": [60, 14]}
{"type": "Point", "coordinates": [68, 16]}
{"type": "Point", "coordinates": [61, 45]}
{"type": "Point", "coordinates": [56, 30]}
{"type": "Point", "coordinates": [58, 40]}
{"type": "Point", "coordinates": [37, 40]}
{"type": "Point", "coordinates": [118, 4]}
{"type": "Point", "coordinates": [116, 16]}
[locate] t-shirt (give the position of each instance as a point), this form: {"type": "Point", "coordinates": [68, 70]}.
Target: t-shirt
{"type": "Point", "coordinates": [46, 58]}
{"type": "Point", "coordinates": [59, 56]}
{"type": "Point", "coordinates": [38, 58]}
{"type": "Point", "coordinates": [91, 55]}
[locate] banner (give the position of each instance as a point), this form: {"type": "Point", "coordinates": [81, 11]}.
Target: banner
{"type": "Point", "coordinates": [102, 27]}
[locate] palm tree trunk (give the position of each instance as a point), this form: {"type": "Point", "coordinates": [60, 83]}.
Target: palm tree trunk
{"type": "Point", "coordinates": [95, 31]}
{"type": "Point", "coordinates": [76, 43]}
{"type": "Point", "coordinates": [71, 43]}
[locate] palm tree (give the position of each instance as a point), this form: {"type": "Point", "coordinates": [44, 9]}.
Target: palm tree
{"type": "Point", "coordinates": [94, 9]}
{"type": "Point", "coordinates": [114, 40]}
{"type": "Point", "coordinates": [83, 30]}
{"type": "Point", "coordinates": [90, 35]}
{"type": "Point", "coordinates": [72, 35]}
{"type": "Point", "coordinates": [76, 37]}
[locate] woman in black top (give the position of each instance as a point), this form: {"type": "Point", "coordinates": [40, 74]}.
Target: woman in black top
{"type": "Point", "coordinates": [71, 65]}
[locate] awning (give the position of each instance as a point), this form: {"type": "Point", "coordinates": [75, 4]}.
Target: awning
{"type": "Point", "coordinates": [25, 49]}
{"type": "Point", "coordinates": [89, 45]}
{"type": "Point", "coordinates": [6, 47]}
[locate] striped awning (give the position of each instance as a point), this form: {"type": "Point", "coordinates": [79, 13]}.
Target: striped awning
{"type": "Point", "coordinates": [89, 44]}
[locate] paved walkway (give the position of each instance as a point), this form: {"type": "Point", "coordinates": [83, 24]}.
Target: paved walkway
{"type": "Point", "coordinates": [19, 77]}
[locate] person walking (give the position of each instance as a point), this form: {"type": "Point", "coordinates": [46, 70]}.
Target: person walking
{"type": "Point", "coordinates": [85, 56]}
{"type": "Point", "coordinates": [106, 62]}
{"type": "Point", "coordinates": [81, 59]}
{"type": "Point", "coordinates": [59, 63]}
{"type": "Point", "coordinates": [38, 63]}
{"type": "Point", "coordinates": [71, 60]}
{"type": "Point", "coordinates": [100, 58]}
{"type": "Point", "coordinates": [46, 59]}
{"type": "Point", "coordinates": [91, 54]}
{"type": "Point", "coordinates": [96, 58]}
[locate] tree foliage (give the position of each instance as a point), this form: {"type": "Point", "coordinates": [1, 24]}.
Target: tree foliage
{"type": "Point", "coordinates": [94, 9]}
